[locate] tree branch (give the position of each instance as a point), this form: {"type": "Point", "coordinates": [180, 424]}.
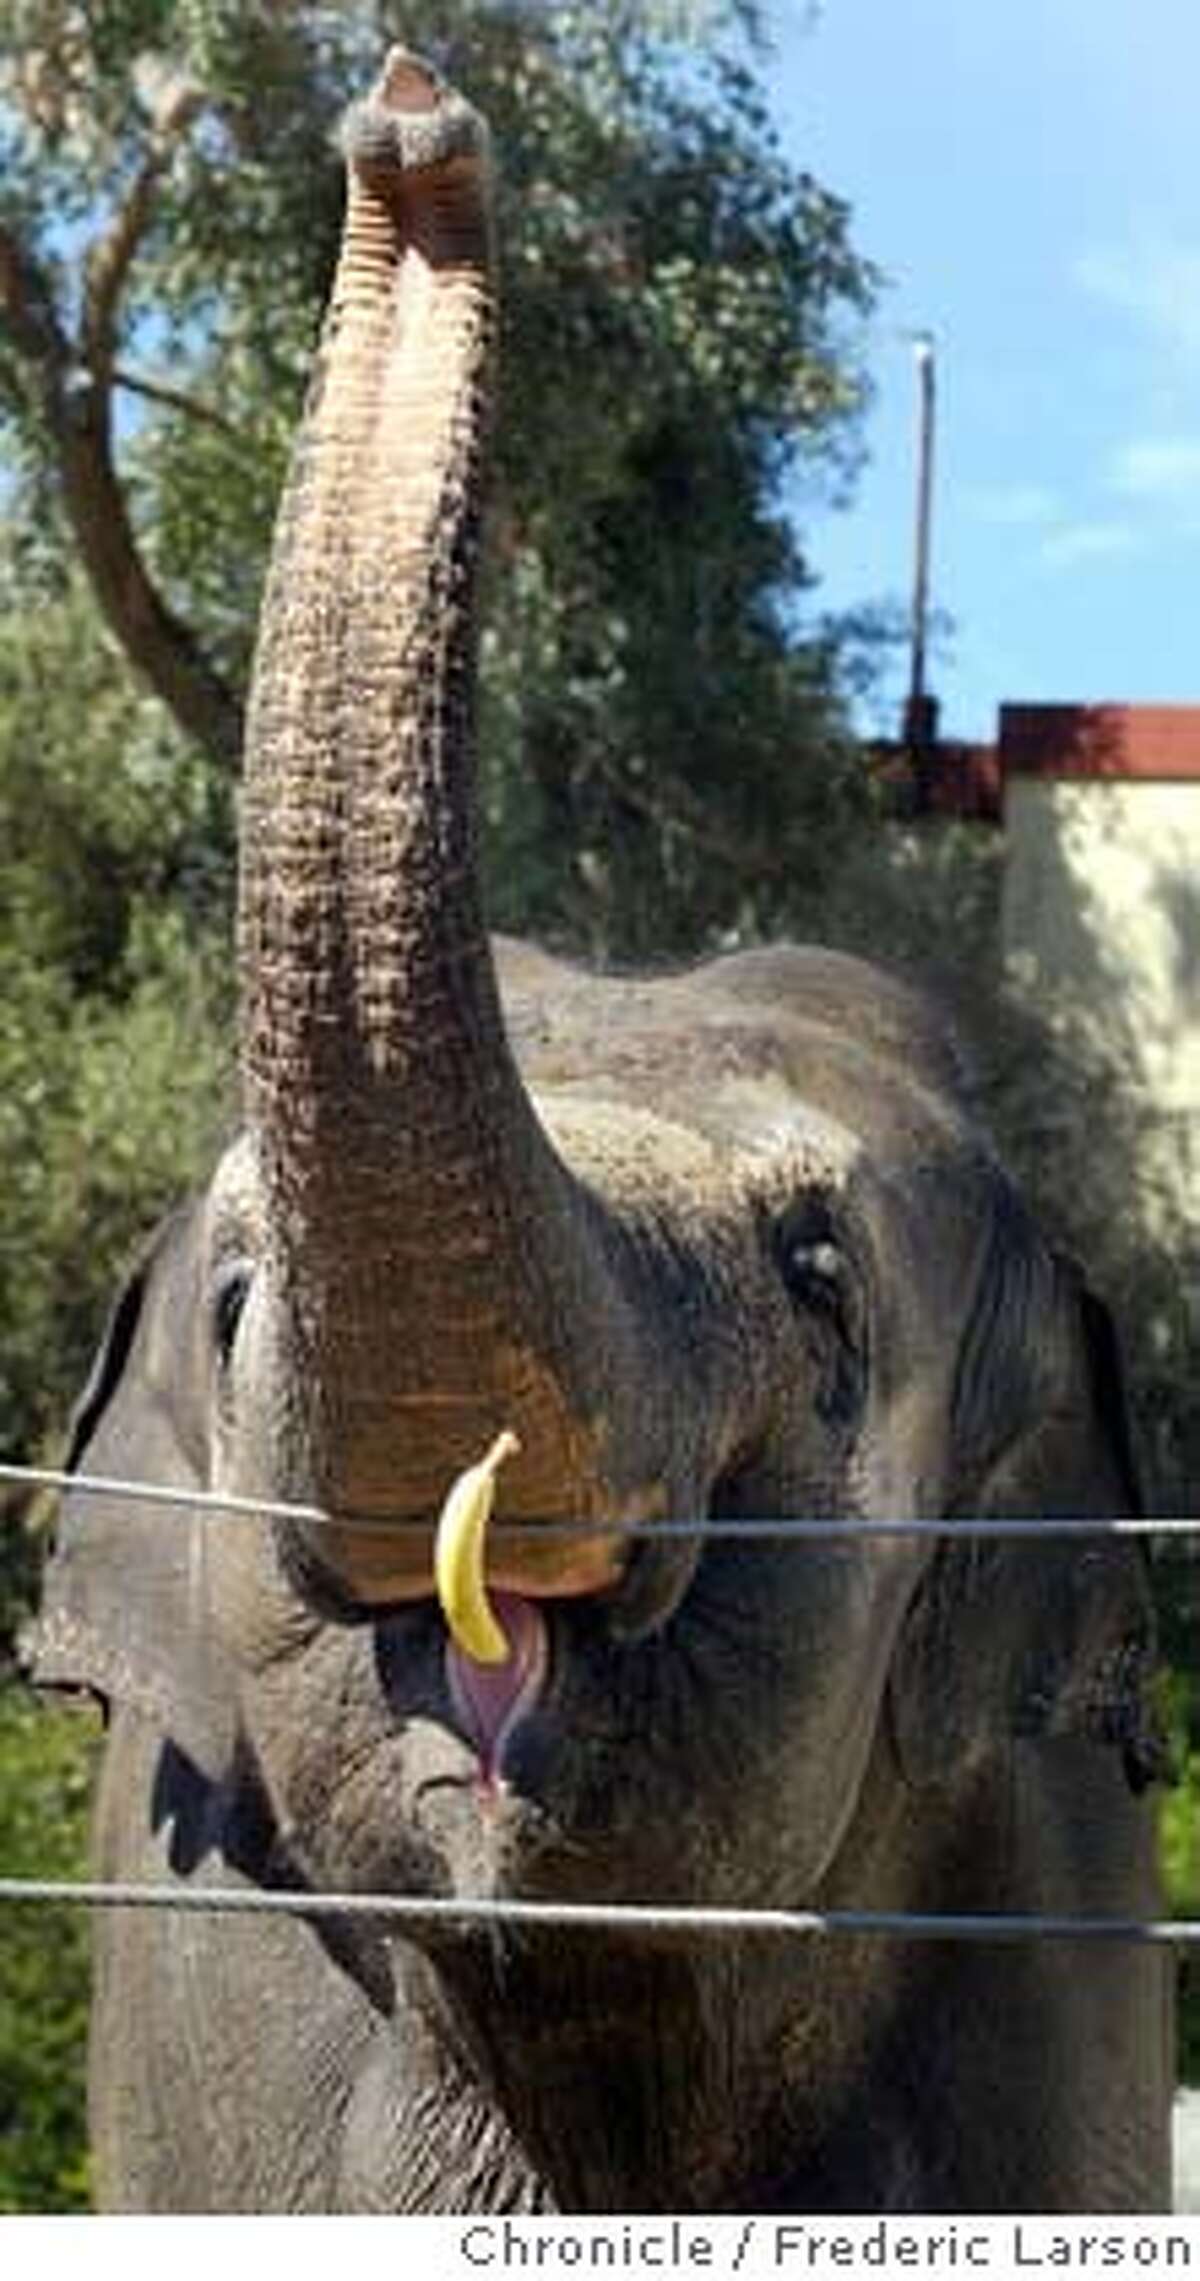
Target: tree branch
{"type": "Point", "coordinates": [159, 643]}
{"type": "Point", "coordinates": [73, 389]}
{"type": "Point", "coordinates": [177, 400]}
{"type": "Point", "coordinates": [27, 310]}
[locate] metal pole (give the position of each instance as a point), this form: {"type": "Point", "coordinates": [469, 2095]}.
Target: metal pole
{"type": "Point", "coordinates": [927, 386]}
{"type": "Point", "coordinates": [921, 713]}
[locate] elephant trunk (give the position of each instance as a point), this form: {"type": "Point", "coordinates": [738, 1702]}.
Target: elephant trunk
{"type": "Point", "coordinates": [363, 950]}
{"type": "Point", "coordinates": [424, 1234]}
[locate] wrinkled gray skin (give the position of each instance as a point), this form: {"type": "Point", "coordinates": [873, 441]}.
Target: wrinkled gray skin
{"type": "Point", "coordinates": [722, 1243]}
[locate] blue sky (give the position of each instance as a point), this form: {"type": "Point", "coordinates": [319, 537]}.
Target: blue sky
{"type": "Point", "coordinates": [1027, 174]}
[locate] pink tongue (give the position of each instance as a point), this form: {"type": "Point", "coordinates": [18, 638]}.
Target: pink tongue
{"type": "Point", "coordinates": [490, 1698]}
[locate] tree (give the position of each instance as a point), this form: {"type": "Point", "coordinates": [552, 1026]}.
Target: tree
{"type": "Point", "coordinates": [666, 753]}
{"type": "Point", "coordinates": [114, 853]}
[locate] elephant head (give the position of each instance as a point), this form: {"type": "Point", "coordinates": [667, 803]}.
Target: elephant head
{"type": "Point", "coordinates": [718, 1246]}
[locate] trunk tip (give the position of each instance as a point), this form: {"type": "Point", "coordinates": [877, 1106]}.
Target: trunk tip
{"type": "Point", "coordinates": [411, 120]}
{"type": "Point", "coordinates": [406, 83]}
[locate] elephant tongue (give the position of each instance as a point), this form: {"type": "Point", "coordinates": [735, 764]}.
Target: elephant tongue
{"type": "Point", "coordinates": [491, 1698]}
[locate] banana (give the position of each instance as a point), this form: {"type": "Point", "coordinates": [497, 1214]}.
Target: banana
{"type": "Point", "coordinates": [458, 1557]}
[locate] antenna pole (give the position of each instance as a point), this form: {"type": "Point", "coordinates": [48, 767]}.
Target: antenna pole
{"type": "Point", "coordinates": [920, 723]}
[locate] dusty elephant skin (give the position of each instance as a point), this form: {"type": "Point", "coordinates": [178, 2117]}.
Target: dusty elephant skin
{"type": "Point", "coordinates": [717, 1244]}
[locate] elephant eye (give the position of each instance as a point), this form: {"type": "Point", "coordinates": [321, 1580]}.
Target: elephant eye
{"type": "Point", "coordinates": [230, 1290]}
{"type": "Point", "coordinates": [823, 1284]}
{"type": "Point", "coordinates": [815, 1274]}
{"type": "Point", "coordinates": [812, 1257]}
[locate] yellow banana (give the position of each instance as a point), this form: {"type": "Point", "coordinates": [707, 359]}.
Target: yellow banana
{"type": "Point", "coordinates": [458, 1557]}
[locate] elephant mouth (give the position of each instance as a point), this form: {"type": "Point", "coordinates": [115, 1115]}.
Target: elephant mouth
{"type": "Point", "coordinates": [493, 1588]}
{"type": "Point", "coordinates": [497, 1653]}
{"type": "Point", "coordinates": [491, 1699]}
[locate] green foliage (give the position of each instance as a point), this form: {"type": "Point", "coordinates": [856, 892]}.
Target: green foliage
{"type": "Point", "coordinates": [45, 1774]}
{"type": "Point", "coordinates": [664, 740]}
{"type": "Point", "coordinates": [114, 1013]}
{"type": "Point", "coordinates": [665, 760]}
{"type": "Point", "coordinates": [103, 809]}
{"type": "Point", "coordinates": [1180, 1854]}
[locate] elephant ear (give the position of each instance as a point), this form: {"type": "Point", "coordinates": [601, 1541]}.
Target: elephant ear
{"type": "Point", "coordinates": [1019, 1637]}
{"type": "Point", "coordinates": [125, 1612]}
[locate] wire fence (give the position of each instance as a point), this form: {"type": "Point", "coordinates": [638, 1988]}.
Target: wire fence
{"type": "Point", "coordinates": [627, 1916]}
{"type": "Point", "coordinates": [226, 1504]}
{"type": "Point", "coordinates": [622, 1917]}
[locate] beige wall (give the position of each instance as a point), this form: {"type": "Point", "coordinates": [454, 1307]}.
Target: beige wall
{"type": "Point", "coordinates": [1101, 916]}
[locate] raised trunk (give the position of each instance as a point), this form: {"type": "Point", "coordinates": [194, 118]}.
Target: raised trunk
{"type": "Point", "coordinates": [364, 955]}
{"type": "Point", "coordinates": [415, 1199]}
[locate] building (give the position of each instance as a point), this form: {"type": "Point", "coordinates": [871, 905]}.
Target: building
{"type": "Point", "coordinates": [1100, 810]}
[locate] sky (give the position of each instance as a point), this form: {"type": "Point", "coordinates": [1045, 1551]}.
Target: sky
{"type": "Point", "coordinates": [1027, 175]}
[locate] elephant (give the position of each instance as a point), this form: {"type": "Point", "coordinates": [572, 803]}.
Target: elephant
{"type": "Point", "coordinates": [712, 1246]}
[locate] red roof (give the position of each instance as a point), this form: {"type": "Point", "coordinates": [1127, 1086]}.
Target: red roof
{"type": "Point", "coordinates": [1146, 744]}
{"type": "Point", "coordinates": [1142, 743]}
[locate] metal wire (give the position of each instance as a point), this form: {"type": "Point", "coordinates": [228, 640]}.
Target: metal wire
{"type": "Point", "coordinates": [632, 1917]}
{"type": "Point", "coordinates": [410, 1909]}
{"type": "Point", "coordinates": [165, 1493]}
{"type": "Point", "coordinates": [226, 1505]}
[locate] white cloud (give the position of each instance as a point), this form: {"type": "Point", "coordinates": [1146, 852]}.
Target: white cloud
{"type": "Point", "coordinates": [1083, 542]}
{"type": "Point", "coordinates": [1155, 468]}
{"type": "Point", "coordinates": [1155, 281]}
{"type": "Point", "coordinates": [1015, 506]}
